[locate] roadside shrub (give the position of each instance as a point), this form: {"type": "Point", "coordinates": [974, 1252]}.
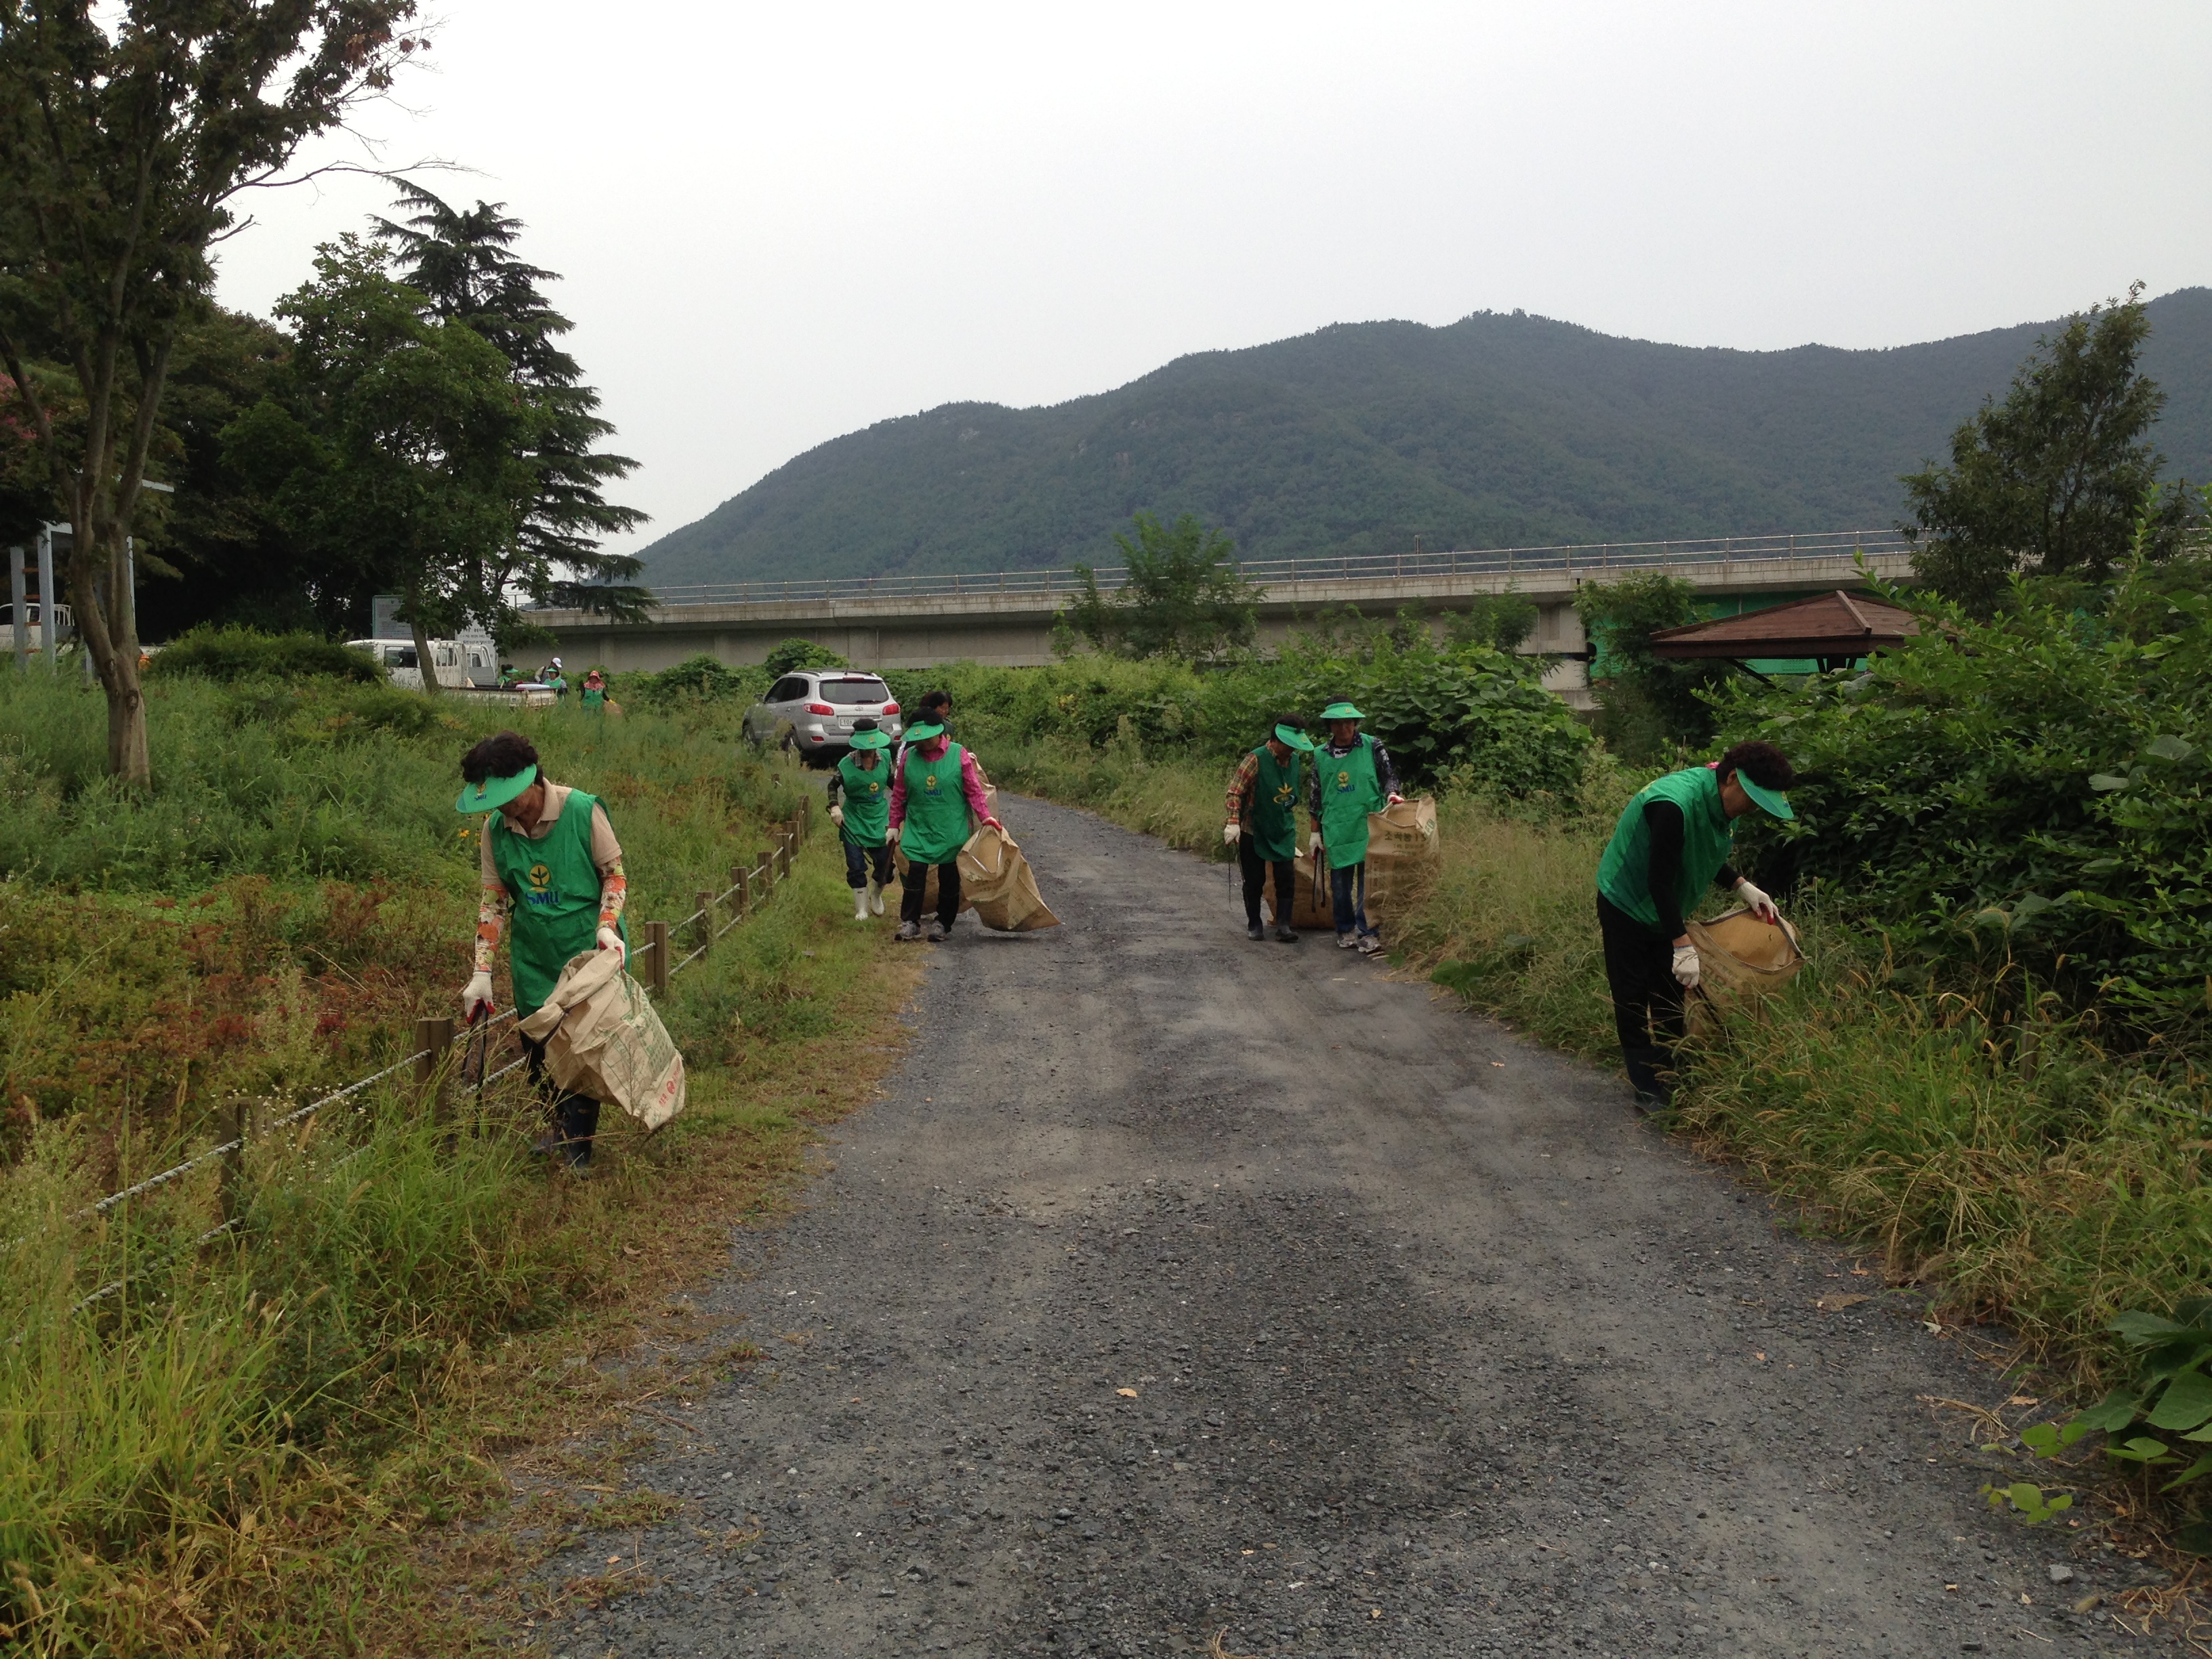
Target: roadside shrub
{"type": "Point", "coordinates": [795, 654]}
{"type": "Point", "coordinates": [694, 681]}
{"type": "Point", "coordinates": [233, 653]}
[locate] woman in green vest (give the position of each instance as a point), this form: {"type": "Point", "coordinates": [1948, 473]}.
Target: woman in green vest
{"type": "Point", "coordinates": [1672, 844]}
{"type": "Point", "coordinates": [1263, 799]}
{"type": "Point", "coordinates": [595, 693]}
{"type": "Point", "coordinates": [937, 799]}
{"type": "Point", "coordinates": [548, 854]}
{"type": "Point", "coordinates": [860, 807]}
{"type": "Point", "coordinates": [1352, 777]}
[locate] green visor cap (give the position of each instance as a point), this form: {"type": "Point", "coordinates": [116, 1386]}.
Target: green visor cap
{"type": "Point", "coordinates": [923, 732]}
{"type": "Point", "coordinates": [1341, 711]}
{"type": "Point", "coordinates": [494, 792]}
{"type": "Point", "coordinates": [1296, 739]}
{"type": "Point", "coordinates": [1772, 799]}
{"type": "Point", "coordinates": [870, 740]}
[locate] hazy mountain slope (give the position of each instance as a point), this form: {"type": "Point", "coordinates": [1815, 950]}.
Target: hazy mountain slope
{"type": "Point", "coordinates": [1495, 430]}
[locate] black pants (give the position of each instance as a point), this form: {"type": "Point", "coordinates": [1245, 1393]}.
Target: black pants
{"type": "Point", "coordinates": [1255, 869]}
{"type": "Point", "coordinates": [1647, 999]}
{"type": "Point", "coordinates": [948, 892]}
{"type": "Point", "coordinates": [575, 1118]}
{"type": "Point", "coordinates": [861, 861]}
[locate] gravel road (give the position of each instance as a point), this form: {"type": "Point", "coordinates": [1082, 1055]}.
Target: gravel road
{"type": "Point", "coordinates": [1183, 1286]}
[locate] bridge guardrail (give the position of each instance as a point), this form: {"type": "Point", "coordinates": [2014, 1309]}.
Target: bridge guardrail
{"type": "Point", "coordinates": [1595, 557]}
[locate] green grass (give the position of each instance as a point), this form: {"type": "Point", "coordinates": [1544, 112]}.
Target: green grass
{"type": "Point", "coordinates": [244, 1449]}
{"type": "Point", "coordinates": [2013, 1168]}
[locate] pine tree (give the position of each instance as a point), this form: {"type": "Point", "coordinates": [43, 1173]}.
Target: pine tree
{"type": "Point", "coordinates": [464, 263]}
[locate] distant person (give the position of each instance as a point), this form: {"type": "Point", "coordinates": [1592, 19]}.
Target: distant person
{"type": "Point", "coordinates": [1262, 805]}
{"type": "Point", "coordinates": [549, 853]}
{"type": "Point", "coordinates": [594, 697]}
{"type": "Point", "coordinates": [861, 806]}
{"type": "Point", "coordinates": [553, 677]}
{"type": "Point", "coordinates": [1672, 844]}
{"type": "Point", "coordinates": [1352, 777]}
{"type": "Point", "coordinates": [937, 799]}
{"type": "Point", "coordinates": [507, 676]}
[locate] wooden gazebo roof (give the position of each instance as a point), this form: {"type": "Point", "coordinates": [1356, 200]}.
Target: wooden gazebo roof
{"type": "Point", "coordinates": [1831, 626]}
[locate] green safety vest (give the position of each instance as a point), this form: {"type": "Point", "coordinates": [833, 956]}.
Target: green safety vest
{"type": "Point", "coordinates": [594, 696]}
{"type": "Point", "coordinates": [936, 826]}
{"type": "Point", "coordinates": [867, 801]}
{"type": "Point", "coordinates": [1624, 874]}
{"type": "Point", "coordinates": [555, 889]}
{"type": "Point", "coordinates": [1275, 797]}
{"type": "Point", "coordinates": [1349, 791]}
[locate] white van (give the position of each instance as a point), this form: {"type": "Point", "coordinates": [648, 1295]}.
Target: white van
{"type": "Point", "coordinates": [461, 663]}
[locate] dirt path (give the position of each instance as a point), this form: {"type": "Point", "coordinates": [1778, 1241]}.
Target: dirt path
{"type": "Point", "coordinates": [1184, 1283]}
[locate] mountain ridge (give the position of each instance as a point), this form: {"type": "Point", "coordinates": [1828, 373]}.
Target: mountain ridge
{"type": "Point", "coordinates": [1498, 429]}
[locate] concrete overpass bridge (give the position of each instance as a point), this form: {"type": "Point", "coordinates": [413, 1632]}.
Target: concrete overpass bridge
{"type": "Point", "coordinates": [1006, 618]}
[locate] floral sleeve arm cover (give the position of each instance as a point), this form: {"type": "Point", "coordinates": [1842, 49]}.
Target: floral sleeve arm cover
{"type": "Point", "coordinates": [491, 913]}
{"type": "Point", "coordinates": [614, 893]}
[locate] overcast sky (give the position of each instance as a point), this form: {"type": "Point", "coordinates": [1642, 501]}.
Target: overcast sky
{"type": "Point", "coordinates": [778, 223]}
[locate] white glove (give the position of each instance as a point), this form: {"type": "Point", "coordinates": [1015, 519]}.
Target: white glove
{"type": "Point", "coordinates": [611, 938]}
{"type": "Point", "coordinates": [837, 817]}
{"type": "Point", "coordinates": [476, 995]}
{"type": "Point", "coordinates": [1313, 844]}
{"type": "Point", "coordinates": [1229, 833]}
{"type": "Point", "coordinates": [1686, 966]}
{"type": "Point", "coordinates": [891, 836]}
{"type": "Point", "coordinates": [1761, 906]}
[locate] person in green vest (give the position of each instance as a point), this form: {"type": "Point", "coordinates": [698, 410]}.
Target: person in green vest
{"type": "Point", "coordinates": [1672, 844]}
{"type": "Point", "coordinates": [548, 854]}
{"type": "Point", "coordinates": [1262, 804]}
{"type": "Point", "coordinates": [555, 678]}
{"type": "Point", "coordinates": [860, 807]}
{"type": "Point", "coordinates": [594, 697]}
{"type": "Point", "coordinates": [937, 798]}
{"type": "Point", "coordinates": [1352, 777]}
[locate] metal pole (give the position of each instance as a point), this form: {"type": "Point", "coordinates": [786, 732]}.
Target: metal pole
{"type": "Point", "coordinates": [47, 595]}
{"type": "Point", "coordinates": [16, 602]}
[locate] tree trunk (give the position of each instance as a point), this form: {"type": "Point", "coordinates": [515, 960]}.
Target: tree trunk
{"type": "Point", "coordinates": [107, 629]}
{"type": "Point", "coordinates": [424, 657]}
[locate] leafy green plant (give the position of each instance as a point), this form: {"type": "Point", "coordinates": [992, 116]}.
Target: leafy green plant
{"type": "Point", "coordinates": [792, 655]}
{"type": "Point", "coordinates": [1647, 706]}
{"type": "Point", "coordinates": [231, 654]}
{"type": "Point", "coordinates": [1183, 598]}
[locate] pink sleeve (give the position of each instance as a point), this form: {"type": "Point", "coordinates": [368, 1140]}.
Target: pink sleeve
{"type": "Point", "coordinates": [971, 785]}
{"type": "Point", "coordinates": [898, 793]}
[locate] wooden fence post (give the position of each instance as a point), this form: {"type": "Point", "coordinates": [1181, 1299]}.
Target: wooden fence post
{"type": "Point", "coordinates": [767, 862]}
{"type": "Point", "coordinates": [656, 940]}
{"type": "Point", "coordinates": [434, 1038]}
{"type": "Point", "coordinates": [706, 906]}
{"type": "Point", "coordinates": [741, 882]}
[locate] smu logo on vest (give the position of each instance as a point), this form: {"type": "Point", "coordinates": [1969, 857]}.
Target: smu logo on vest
{"type": "Point", "coordinates": [540, 882]}
{"type": "Point", "coordinates": [1343, 781]}
{"type": "Point", "coordinates": [929, 784]}
{"type": "Point", "coordinates": [1285, 794]}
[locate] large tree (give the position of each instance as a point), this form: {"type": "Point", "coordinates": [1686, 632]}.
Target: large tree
{"type": "Point", "coordinates": [463, 262]}
{"type": "Point", "coordinates": [127, 132]}
{"type": "Point", "coordinates": [2052, 481]}
{"type": "Point", "coordinates": [1182, 596]}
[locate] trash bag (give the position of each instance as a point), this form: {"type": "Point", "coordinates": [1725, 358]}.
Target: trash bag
{"type": "Point", "coordinates": [996, 883]}
{"type": "Point", "coordinates": [603, 1039]}
{"type": "Point", "coordinates": [1403, 853]}
{"type": "Point", "coordinates": [1739, 958]}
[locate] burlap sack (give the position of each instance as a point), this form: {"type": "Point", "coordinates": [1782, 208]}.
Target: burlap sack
{"type": "Point", "coordinates": [604, 1039]}
{"type": "Point", "coordinates": [929, 880]}
{"type": "Point", "coordinates": [1739, 958]}
{"type": "Point", "coordinates": [997, 884]}
{"type": "Point", "coordinates": [1403, 853]}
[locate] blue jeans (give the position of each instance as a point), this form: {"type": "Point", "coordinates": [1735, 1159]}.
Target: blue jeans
{"type": "Point", "coordinates": [1348, 907]}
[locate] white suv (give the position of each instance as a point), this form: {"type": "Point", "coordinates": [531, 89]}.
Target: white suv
{"type": "Point", "coordinates": [812, 712]}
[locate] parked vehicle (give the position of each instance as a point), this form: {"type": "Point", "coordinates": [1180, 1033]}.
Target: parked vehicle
{"type": "Point", "coordinates": [811, 712]}
{"type": "Point", "coordinates": [461, 663]}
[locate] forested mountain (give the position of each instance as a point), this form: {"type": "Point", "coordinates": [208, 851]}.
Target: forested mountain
{"type": "Point", "coordinates": [1497, 430]}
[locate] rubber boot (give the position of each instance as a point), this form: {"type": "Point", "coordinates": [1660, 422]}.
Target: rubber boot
{"type": "Point", "coordinates": [875, 895]}
{"type": "Point", "coordinates": [860, 905]}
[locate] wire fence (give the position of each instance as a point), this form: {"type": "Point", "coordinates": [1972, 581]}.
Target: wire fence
{"type": "Point", "coordinates": [432, 1056]}
{"type": "Point", "coordinates": [1595, 558]}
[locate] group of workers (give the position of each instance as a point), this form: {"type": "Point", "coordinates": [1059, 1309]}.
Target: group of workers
{"type": "Point", "coordinates": [1342, 779]}
{"type": "Point", "coordinates": [549, 859]}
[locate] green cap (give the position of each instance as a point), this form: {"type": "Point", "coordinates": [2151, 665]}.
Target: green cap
{"type": "Point", "coordinates": [1772, 799]}
{"type": "Point", "coordinates": [1296, 738]}
{"type": "Point", "coordinates": [923, 731]}
{"type": "Point", "coordinates": [868, 736]}
{"type": "Point", "coordinates": [1341, 711]}
{"type": "Point", "coordinates": [494, 792]}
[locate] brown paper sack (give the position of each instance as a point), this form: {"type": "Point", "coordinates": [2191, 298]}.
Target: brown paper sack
{"type": "Point", "coordinates": [1403, 853]}
{"type": "Point", "coordinates": [997, 884]}
{"type": "Point", "coordinates": [1739, 958]}
{"type": "Point", "coordinates": [603, 1038]}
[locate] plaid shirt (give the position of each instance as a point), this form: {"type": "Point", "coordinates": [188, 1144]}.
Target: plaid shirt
{"type": "Point", "coordinates": [1242, 782]}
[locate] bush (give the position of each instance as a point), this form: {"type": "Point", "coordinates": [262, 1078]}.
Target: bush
{"type": "Point", "coordinates": [792, 655]}
{"type": "Point", "coordinates": [232, 653]}
{"type": "Point", "coordinates": [2029, 792]}
{"type": "Point", "coordinates": [696, 680]}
